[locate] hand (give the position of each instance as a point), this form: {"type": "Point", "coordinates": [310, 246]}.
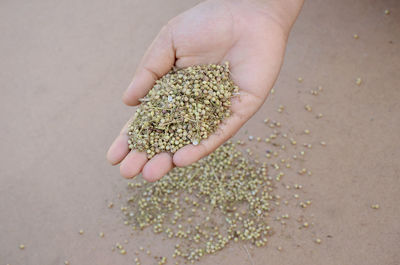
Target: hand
{"type": "Point", "coordinates": [250, 34]}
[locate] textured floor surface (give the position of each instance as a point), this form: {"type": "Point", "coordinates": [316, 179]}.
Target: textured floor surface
{"type": "Point", "coordinates": [64, 66]}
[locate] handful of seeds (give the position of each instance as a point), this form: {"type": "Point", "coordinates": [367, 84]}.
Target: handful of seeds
{"type": "Point", "coordinates": [222, 198]}
{"type": "Point", "coordinates": [183, 107]}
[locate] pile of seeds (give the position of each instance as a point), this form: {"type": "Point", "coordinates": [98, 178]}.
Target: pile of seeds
{"type": "Point", "coordinates": [184, 107]}
{"type": "Point", "coordinates": [222, 198]}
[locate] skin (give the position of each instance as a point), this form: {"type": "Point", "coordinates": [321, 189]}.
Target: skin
{"type": "Point", "coordinates": [250, 34]}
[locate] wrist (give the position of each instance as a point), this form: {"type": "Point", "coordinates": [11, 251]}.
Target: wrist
{"type": "Point", "coordinates": [284, 12]}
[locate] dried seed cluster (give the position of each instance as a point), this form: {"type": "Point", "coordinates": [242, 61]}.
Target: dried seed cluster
{"type": "Point", "coordinates": [222, 198]}
{"type": "Point", "coordinates": [184, 107]}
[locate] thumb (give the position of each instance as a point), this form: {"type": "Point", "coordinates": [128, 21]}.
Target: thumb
{"type": "Point", "coordinates": [157, 61]}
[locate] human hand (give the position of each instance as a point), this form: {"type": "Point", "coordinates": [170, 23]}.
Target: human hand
{"type": "Point", "coordinates": [250, 34]}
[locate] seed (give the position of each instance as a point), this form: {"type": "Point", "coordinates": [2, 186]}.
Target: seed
{"type": "Point", "coordinates": [122, 251]}
{"type": "Point", "coordinates": [375, 206]}
{"type": "Point", "coordinates": [251, 137]}
{"type": "Point", "coordinates": [307, 131]}
{"type": "Point", "coordinates": [110, 205]}
{"type": "Point", "coordinates": [323, 143]}
{"type": "Point", "coordinates": [358, 81]}
{"type": "Point", "coordinates": [387, 12]}
{"type": "Point", "coordinates": [355, 36]}
{"type": "Point", "coordinates": [319, 115]}
{"type": "Point", "coordinates": [318, 241]}
{"type": "Point", "coordinates": [302, 171]}
{"type": "Point", "coordinates": [81, 232]}
{"type": "Point", "coordinates": [305, 224]}
{"type": "Point", "coordinates": [101, 234]}
{"type": "Point", "coordinates": [66, 262]}
{"type": "Point", "coordinates": [22, 246]}
{"type": "Point", "coordinates": [279, 248]}
{"type": "Point", "coordinates": [308, 108]}
{"type": "Point", "coordinates": [300, 79]}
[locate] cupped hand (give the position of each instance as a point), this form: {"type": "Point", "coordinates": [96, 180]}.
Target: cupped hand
{"type": "Point", "coordinates": [250, 34]}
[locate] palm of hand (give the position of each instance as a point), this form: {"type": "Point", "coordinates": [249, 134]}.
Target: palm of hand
{"type": "Point", "coordinates": [213, 32]}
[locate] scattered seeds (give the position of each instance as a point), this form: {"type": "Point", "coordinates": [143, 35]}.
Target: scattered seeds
{"type": "Point", "coordinates": [224, 198]}
{"type": "Point", "coordinates": [218, 185]}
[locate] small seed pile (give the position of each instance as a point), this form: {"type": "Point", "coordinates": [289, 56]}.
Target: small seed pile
{"type": "Point", "coordinates": [184, 107]}
{"type": "Point", "coordinates": [222, 198]}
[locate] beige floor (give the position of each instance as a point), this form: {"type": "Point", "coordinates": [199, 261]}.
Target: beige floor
{"type": "Point", "coordinates": [64, 66]}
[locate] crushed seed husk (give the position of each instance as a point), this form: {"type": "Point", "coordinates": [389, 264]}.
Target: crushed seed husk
{"type": "Point", "coordinates": [184, 107]}
{"type": "Point", "coordinates": [226, 197]}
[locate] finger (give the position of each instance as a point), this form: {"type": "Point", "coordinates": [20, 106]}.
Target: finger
{"type": "Point", "coordinates": [133, 164]}
{"type": "Point", "coordinates": [157, 167]}
{"type": "Point", "coordinates": [119, 148]}
{"type": "Point", "coordinates": [157, 61]}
